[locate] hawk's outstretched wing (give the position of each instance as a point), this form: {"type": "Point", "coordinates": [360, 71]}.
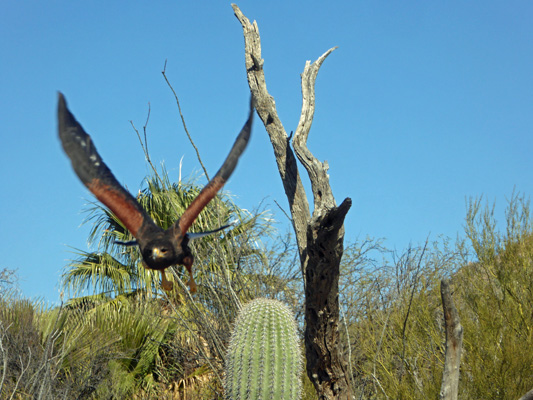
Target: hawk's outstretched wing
{"type": "Point", "coordinates": [223, 174]}
{"type": "Point", "coordinates": [95, 174]}
{"type": "Point", "coordinates": [159, 248]}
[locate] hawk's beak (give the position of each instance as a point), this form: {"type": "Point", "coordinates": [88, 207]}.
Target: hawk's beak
{"type": "Point", "coordinates": [156, 253]}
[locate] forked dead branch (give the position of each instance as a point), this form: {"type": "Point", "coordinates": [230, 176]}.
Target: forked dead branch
{"type": "Point", "coordinates": [320, 236]}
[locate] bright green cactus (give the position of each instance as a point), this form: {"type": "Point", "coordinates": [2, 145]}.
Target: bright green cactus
{"type": "Point", "coordinates": [264, 360]}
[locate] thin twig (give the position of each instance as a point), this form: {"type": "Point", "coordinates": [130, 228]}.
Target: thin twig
{"type": "Point", "coordinates": [183, 121]}
{"type": "Point", "coordinates": [145, 125]}
{"type": "Point", "coordinates": [378, 349]}
{"type": "Point", "coordinates": [380, 387]}
{"type": "Point", "coordinates": [22, 372]}
{"type": "Point", "coordinates": [144, 145]}
{"type": "Point", "coordinates": [3, 353]}
{"type": "Point", "coordinates": [179, 315]}
{"type": "Point", "coordinates": [283, 211]}
{"type": "Point", "coordinates": [413, 289]}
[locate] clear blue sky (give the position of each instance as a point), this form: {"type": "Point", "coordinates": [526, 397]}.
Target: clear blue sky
{"type": "Point", "coordinates": [422, 105]}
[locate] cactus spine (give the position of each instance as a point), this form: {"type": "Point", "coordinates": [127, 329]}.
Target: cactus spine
{"type": "Point", "coordinates": [264, 360]}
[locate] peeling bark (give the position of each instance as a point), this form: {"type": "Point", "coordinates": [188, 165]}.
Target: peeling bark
{"type": "Point", "coordinates": [320, 236]}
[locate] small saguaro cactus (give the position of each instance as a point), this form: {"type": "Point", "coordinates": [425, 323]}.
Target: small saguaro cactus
{"type": "Point", "coordinates": [264, 360]}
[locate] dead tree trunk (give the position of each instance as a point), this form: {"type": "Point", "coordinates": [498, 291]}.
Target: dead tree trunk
{"type": "Point", "coordinates": [454, 345]}
{"type": "Point", "coordinates": [320, 236]}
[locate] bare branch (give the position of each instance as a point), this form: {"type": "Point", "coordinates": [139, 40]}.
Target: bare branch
{"type": "Point", "coordinates": [8, 277]}
{"type": "Point", "coordinates": [317, 171]}
{"type": "Point", "coordinates": [23, 370]}
{"type": "Point", "coordinates": [414, 285]}
{"type": "Point", "coordinates": [266, 109]}
{"type": "Point", "coordinates": [183, 121]}
{"type": "Point", "coordinates": [4, 353]}
{"type": "Point", "coordinates": [144, 145]}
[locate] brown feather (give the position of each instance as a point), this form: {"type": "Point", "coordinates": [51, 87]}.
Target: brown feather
{"type": "Point", "coordinates": [218, 181]}
{"type": "Point", "coordinates": [95, 174]}
{"type": "Point", "coordinates": [160, 249]}
{"type": "Point", "coordinates": [121, 205]}
{"type": "Point", "coordinates": [198, 204]}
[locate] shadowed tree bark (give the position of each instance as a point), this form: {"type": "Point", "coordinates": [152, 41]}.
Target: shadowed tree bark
{"type": "Point", "coordinates": [454, 345]}
{"type": "Point", "coordinates": [320, 236]}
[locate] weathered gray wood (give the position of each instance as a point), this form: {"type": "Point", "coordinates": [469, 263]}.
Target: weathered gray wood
{"type": "Point", "coordinates": [266, 109]}
{"type": "Point", "coordinates": [454, 345]}
{"type": "Point", "coordinates": [320, 237]}
{"type": "Point", "coordinates": [527, 396]}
